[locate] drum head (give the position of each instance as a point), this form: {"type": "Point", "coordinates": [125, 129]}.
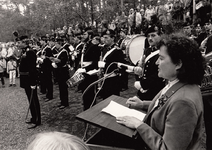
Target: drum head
{"type": "Point", "coordinates": [135, 48]}
{"type": "Point", "coordinates": [125, 42]}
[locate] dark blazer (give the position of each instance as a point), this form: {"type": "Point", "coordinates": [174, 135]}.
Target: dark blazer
{"type": "Point", "coordinates": [178, 124]}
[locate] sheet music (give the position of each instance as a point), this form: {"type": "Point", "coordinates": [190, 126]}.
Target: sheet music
{"type": "Point", "coordinates": [92, 72]}
{"type": "Point", "coordinates": [118, 110]}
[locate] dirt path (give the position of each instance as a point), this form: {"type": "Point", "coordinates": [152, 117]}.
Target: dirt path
{"type": "Point", "coordinates": [14, 134]}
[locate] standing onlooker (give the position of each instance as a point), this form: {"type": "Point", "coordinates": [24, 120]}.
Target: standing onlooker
{"type": "Point", "coordinates": [150, 11]}
{"type": "Point", "coordinates": [134, 21]}
{"type": "Point", "coordinates": [17, 54]}
{"type": "Point", "coordinates": [2, 72]}
{"type": "Point", "coordinates": [11, 70]}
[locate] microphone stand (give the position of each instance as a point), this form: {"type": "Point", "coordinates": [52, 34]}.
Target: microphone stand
{"type": "Point", "coordinates": [103, 78]}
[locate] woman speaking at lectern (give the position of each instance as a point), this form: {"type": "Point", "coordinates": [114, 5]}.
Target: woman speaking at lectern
{"type": "Point", "coordinates": [174, 120]}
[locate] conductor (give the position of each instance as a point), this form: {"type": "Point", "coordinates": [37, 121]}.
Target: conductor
{"type": "Point", "coordinates": [28, 81]}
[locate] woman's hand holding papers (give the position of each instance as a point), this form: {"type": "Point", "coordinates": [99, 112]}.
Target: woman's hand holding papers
{"type": "Point", "coordinates": [129, 121]}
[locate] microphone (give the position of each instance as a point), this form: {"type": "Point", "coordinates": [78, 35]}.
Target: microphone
{"type": "Point", "coordinates": [136, 69]}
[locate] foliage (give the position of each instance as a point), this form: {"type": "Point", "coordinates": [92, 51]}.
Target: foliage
{"type": "Point", "coordinates": [38, 17]}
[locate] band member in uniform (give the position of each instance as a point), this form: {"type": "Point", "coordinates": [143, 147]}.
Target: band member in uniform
{"type": "Point", "coordinates": [60, 63]}
{"type": "Point", "coordinates": [43, 42]}
{"type": "Point", "coordinates": [47, 70]}
{"type": "Point", "coordinates": [55, 51]}
{"type": "Point", "coordinates": [110, 54]}
{"type": "Point", "coordinates": [124, 75]}
{"type": "Point", "coordinates": [149, 84]}
{"type": "Point", "coordinates": [78, 45]}
{"type": "Point", "coordinates": [89, 61]}
{"type": "Point", "coordinates": [28, 81]}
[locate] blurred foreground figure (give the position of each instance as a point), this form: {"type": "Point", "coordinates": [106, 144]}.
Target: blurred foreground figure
{"type": "Point", "coordinates": [56, 141]}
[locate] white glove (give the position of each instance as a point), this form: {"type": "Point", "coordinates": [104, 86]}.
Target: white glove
{"type": "Point", "coordinates": [33, 87]}
{"type": "Point", "coordinates": [137, 85]}
{"type": "Point", "coordinates": [81, 70]}
{"type": "Point", "coordinates": [72, 57]}
{"type": "Point", "coordinates": [138, 70]}
{"type": "Point", "coordinates": [54, 65]}
{"type": "Point", "coordinates": [39, 60]}
{"type": "Point", "coordinates": [101, 64]}
{"type": "Point", "coordinates": [71, 48]}
{"type": "Point", "coordinates": [75, 53]}
{"type": "Point", "coordinates": [43, 56]}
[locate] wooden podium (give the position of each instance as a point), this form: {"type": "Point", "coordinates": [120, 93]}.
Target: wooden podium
{"type": "Point", "coordinates": [112, 136]}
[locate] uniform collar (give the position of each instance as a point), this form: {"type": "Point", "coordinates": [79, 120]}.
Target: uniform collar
{"type": "Point", "coordinates": [154, 48]}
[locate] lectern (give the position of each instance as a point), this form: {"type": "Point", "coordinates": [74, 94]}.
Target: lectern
{"type": "Point", "coordinates": [111, 136]}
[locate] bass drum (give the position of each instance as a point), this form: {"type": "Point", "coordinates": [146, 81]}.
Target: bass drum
{"type": "Point", "coordinates": [125, 41]}
{"type": "Point", "coordinates": [135, 48]}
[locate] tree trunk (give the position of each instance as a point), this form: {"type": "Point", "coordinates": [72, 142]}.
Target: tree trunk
{"type": "Point", "coordinates": [92, 15]}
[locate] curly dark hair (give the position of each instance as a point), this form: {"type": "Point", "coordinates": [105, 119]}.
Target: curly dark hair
{"type": "Point", "coordinates": [182, 49]}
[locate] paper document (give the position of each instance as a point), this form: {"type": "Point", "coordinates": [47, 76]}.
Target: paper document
{"type": "Point", "coordinates": [118, 110]}
{"type": "Point", "coordinates": [92, 72]}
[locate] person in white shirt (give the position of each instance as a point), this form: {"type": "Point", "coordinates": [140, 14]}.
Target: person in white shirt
{"type": "Point", "coordinates": [11, 70]}
{"type": "Point", "coordinates": [150, 11]}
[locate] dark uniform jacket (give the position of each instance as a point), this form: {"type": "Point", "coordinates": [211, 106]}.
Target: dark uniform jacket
{"type": "Point", "coordinates": [115, 56]}
{"type": "Point", "coordinates": [90, 62]}
{"type": "Point", "coordinates": [62, 65]}
{"type": "Point", "coordinates": [28, 71]}
{"type": "Point", "coordinates": [78, 49]}
{"type": "Point", "coordinates": [112, 85]}
{"type": "Point", "coordinates": [92, 54]}
{"type": "Point", "coordinates": [150, 80]}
